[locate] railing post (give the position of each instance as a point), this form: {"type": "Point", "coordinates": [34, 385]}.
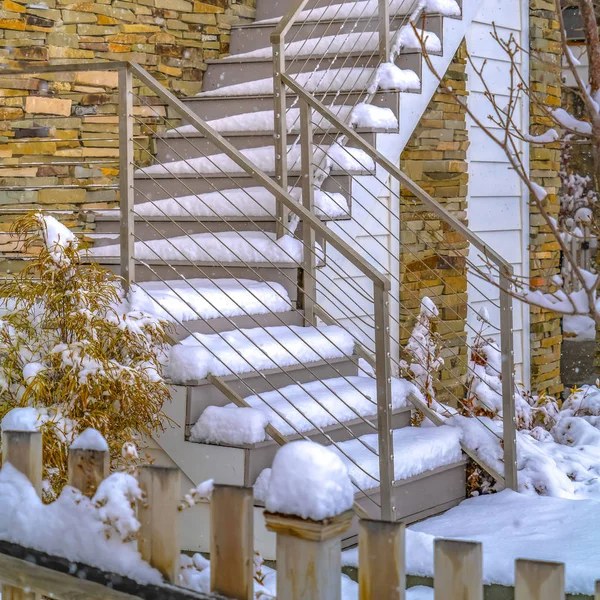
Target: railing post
{"type": "Point", "coordinates": [23, 450]}
{"type": "Point", "coordinates": [508, 380]}
{"type": "Point", "coordinates": [309, 270]}
{"type": "Point", "coordinates": [381, 560]}
{"type": "Point", "coordinates": [384, 400]}
{"type": "Point", "coordinates": [280, 130]}
{"type": "Point", "coordinates": [158, 540]}
{"type": "Point", "coordinates": [126, 161]}
{"type": "Point", "coordinates": [232, 542]}
{"type": "Point", "coordinates": [539, 580]}
{"type": "Point", "coordinates": [309, 555]}
{"type": "Point", "coordinates": [458, 570]}
{"type": "Point", "coordinates": [87, 467]}
{"type": "Point", "coordinates": [384, 30]}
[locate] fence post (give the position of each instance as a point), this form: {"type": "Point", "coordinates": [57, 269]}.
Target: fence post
{"type": "Point", "coordinates": [280, 130]}
{"type": "Point", "coordinates": [158, 540]}
{"type": "Point", "coordinates": [381, 560]}
{"type": "Point", "coordinates": [539, 580]}
{"type": "Point", "coordinates": [309, 555]}
{"type": "Point", "coordinates": [309, 270]}
{"type": "Point", "coordinates": [508, 380]}
{"type": "Point", "coordinates": [87, 469]}
{"type": "Point", "coordinates": [232, 542]}
{"type": "Point", "coordinates": [458, 570]}
{"type": "Point", "coordinates": [126, 191]}
{"type": "Point", "coordinates": [23, 450]}
{"type": "Point", "coordinates": [597, 595]}
{"type": "Point", "coordinates": [384, 400]}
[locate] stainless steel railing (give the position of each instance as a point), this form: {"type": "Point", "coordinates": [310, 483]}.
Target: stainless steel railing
{"type": "Point", "coordinates": [141, 250]}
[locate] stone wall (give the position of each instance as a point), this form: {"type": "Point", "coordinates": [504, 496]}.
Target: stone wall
{"type": "Point", "coordinates": [544, 252]}
{"type": "Point", "coordinates": [433, 255]}
{"type": "Point", "coordinates": [59, 133]}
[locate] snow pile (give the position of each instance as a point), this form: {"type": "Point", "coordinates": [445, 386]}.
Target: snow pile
{"type": "Point", "coordinates": [233, 426]}
{"type": "Point", "coordinates": [448, 8]}
{"type": "Point", "coordinates": [90, 439]}
{"type": "Point", "coordinates": [245, 350]}
{"type": "Point", "coordinates": [309, 481]}
{"type": "Point", "coordinates": [223, 247]}
{"type": "Point", "coordinates": [261, 485]}
{"type": "Point", "coordinates": [319, 404]}
{"type": "Point", "coordinates": [417, 449]}
{"type": "Point", "coordinates": [74, 527]}
{"type": "Point", "coordinates": [389, 77]}
{"type": "Point", "coordinates": [570, 122]}
{"type": "Point", "coordinates": [579, 327]}
{"type": "Point", "coordinates": [56, 237]}
{"type": "Point", "coordinates": [191, 299]}
{"type": "Point", "coordinates": [26, 418]}
{"type": "Point", "coordinates": [248, 202]}
{"type": "Point", "coordinates": [373, 117]}
{"type": "Point", "coordinates": [512, 526]}
{"type": "Point", "coordinates": [408, 38]}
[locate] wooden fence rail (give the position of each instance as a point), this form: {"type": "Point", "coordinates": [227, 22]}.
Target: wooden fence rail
{"type": "Point", "coordinates": [308, 552]}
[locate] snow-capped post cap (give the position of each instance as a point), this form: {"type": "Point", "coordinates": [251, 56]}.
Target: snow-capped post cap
{"type": "Point", "coordinates": [89, 461]}
{"type": "Point", "coordinates": [24, 418]}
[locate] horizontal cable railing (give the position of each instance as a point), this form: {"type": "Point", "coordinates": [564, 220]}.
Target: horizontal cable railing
{"type": "Point", "coordinates": [194, 240]}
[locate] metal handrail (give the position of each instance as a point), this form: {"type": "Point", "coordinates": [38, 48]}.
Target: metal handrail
{"type": "Point", "coordinates": [505, 269]}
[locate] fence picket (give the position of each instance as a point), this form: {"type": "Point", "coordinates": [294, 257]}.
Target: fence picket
{"type": "Point", "coordinates": [158, 540]}
{"type": "Point", "coordinates": [23, 450]}
{"type": "Point", "coordinates": [381, 560]}
{"type": "Point", "coordinates": [87, 468]}
{"type": "Point", "coordinates": [539, 580]}
{"type": "Point", "coordinates": [458, 570]}
{"type": "Point", "coordinates": [232, 542]}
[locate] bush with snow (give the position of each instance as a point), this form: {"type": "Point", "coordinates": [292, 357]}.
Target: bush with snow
{"type": "Point", "coordinates": [309, 481]}
{"type": "Point", "coordinates": [70, 352]}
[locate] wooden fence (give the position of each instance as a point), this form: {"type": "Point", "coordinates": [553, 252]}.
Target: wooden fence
{"type": "Point", "coordinates": [308, 552]}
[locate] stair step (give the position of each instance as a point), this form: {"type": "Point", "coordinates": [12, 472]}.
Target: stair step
{"type": "Point", "coordinates": [249, 71]}
{"type": "Point", "coordinates": [256, 349]}
{"type": "Point", "coordinates": [351, 160]}
{"type": "Point", "coordinates": [215, 106]}
{"type": "Point", "coordinates": [302, 408]}
{"type": "Point", "coordinates": [246, 38]}
{"type": "Point", "coordinates": [192, 300]}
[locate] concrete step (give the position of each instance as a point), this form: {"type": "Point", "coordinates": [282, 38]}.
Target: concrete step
{"type": "Point", "coordinates": [234, 71]}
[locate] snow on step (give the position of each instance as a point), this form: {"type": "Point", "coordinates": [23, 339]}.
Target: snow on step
{"type": "Point", "coordinates": [348, 159]}
{"type": "Point", "coordinates": [220, 247]}
{"type": "Point", "coordinates": [345, 79]}
{"type": "Point", "coordinates": [301, 408]}
{"type": "Point", "coordinates": [248, 202]}
{"type": "Point", "coordinates": [363, 41]}
{"type": "Point", "coordinates": [255, 349]}
{"type": "Point", "coordinates": [416, 450]}
{"type": "Point", "coordinates": [361, 115]}
{"type": "Point", "coordinates": [187, 300]}
{"type": "Point", "coordinates": [370, 9]}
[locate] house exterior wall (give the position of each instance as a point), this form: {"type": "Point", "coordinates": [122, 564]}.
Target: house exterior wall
{"type": "Point", "coordinates": [497, 201]}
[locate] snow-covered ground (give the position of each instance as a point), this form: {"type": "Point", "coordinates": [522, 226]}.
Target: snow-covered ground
{"type": "Point", "coordinates": [579, 327]}
{"type": "Point", "coordinates": [510, 526]}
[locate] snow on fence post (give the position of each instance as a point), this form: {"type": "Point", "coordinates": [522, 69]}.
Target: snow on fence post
{"type": "Point", "coordinates": [158, 540]}
{"type": "Point", "coordinates": [458, 570]}
{"type": "Point", "coordinates": [89, 462]}
{"type": "Point", "coordinates": [381, 560]}
{"type": "Point", "coordinates": [22, 448]}
{"type": "Point", "coordinates": [539, 580]}
{"type": "Point", "coordinates": [232, 542]}
{"type": "Point", "coordinates": [308, 505]}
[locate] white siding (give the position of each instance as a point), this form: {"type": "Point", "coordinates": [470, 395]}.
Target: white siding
{"type": "Point", "coordinates": [497, 203]}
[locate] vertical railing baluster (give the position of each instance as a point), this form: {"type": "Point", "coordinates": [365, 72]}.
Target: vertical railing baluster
{"type": "Point", "coordinates": [508, 379]}
{"type": "Point", "coordinates": [280, 129]}
{"type": "Point", "coordinates": [309, 267]}
{"type": "Point", "coordinates": [384, 400]}
{"type": "Point", "coordinates": [384, 30]}
{"type": "Point", "coordinates": [126, 161]}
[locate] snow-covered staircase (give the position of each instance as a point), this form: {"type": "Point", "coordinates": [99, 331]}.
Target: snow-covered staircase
{"type": "Point", "coordinates": [210, 261]}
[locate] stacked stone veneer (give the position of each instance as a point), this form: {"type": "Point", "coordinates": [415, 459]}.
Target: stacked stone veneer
{"type": "Point", "coordinates": [544, 251]}
{"type": "Point", "coordinates": [58, 133]}
{"type": "Point", "coordinates": [433, 256]}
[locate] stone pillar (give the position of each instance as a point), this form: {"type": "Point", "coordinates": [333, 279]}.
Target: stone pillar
{"type": "Point", "coordinates": [433, 262]}
{"type": "Point", "coordinates": [544, 252]}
